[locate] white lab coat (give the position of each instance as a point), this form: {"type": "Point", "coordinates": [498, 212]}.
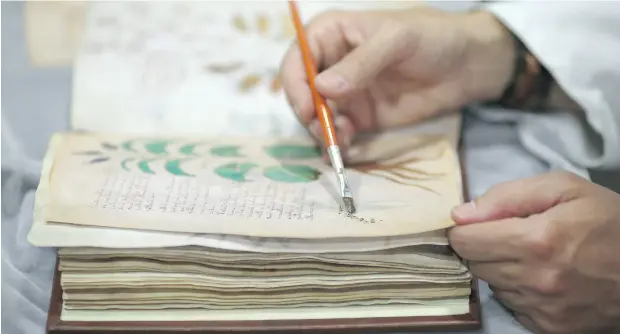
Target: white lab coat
{"type": "Point", "coordinates": [579, 43]}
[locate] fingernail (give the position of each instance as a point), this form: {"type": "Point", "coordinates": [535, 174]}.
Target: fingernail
{"type": "Point", "coordinates": [331, 80]}
{"type": "Point", "coordinates": [465, 210]}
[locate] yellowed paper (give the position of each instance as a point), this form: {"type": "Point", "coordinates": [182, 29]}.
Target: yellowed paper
{"type": "Point", "coordinates": [251, 186]}
{"type": "Point", "coordinates": [427, 308]}
{"type": "Point", "coordinates": [184, 66]}
{"type": "Point", "coordinates": [53, 31]}
{"type": "Point", "coordinates": [47, 234]}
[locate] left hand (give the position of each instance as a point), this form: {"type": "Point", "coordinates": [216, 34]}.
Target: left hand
{"type": "Point", "coordinates": [549, 247]}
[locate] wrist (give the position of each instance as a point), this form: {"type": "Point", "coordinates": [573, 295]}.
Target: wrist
{"type": "Point", "coordinates": [491, 57]}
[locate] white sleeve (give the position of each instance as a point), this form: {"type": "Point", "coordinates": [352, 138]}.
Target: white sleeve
{"type": "Point", "coordinates": [579, 43]}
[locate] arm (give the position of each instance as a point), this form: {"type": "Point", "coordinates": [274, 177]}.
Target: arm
{"type": "Point", "coordinates": [578, 43]}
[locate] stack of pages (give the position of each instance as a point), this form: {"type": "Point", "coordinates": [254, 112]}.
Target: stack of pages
{"type": "Point", "coordinates": [181, 229]}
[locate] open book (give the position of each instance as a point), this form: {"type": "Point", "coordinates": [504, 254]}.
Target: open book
{"type": "Point", "coordinates": [202, 228]}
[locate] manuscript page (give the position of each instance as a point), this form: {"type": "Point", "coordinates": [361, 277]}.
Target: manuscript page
{"type": "Point", "coordinates": [252, 186]}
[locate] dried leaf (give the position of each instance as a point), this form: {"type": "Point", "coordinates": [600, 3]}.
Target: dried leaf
{"type": "Point", "coordinates": [275, 84]}
{"type": "Point", "coordinates": [263, 24]}
{"type": "Point", "coordinates": [98, 160]}
{"type": "Point", "coordinates": [224, 68]}
{"type": "Point", "coordinates": [88, 153]}
{"type": "Point", "coordinates": [239, 23]}
{"type": "Point", "coordinates": [249, 82]}
{"type": "Point", "coordinates": [109, 146]}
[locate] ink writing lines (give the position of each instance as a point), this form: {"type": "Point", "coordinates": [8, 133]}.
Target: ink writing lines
{"type": "Point", "coordinates": [179, 195]}
{"type": "Point", "coordinates": [125, 193]}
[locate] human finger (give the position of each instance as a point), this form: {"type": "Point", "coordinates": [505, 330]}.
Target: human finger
{"type": "Point", "coordinates": [364, 63]}
{"type": "Point", "coordinates": [327, 43]}
{"type": "Point", "coordinates": [520, 198]}
{"type": "Point", "coordinates": [526, 321]}
{"type": "Point", "coordinates": [512, 300]}
{"type": "Point", "coordinates": [509, 239]}
{"type": "Point", "coordinates": [344, 131]}
{"type": "Point", "coordinates": [504, 275]}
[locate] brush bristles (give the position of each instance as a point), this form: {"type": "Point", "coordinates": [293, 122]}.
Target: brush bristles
{"type": "Point", "coordinates": [349, 206]}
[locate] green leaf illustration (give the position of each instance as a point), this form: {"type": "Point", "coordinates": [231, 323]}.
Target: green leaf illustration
{"type": "Point", "coordinates": [125, 162]}
{"type": "Point", "coordinates": [128, 146]}
{"type": "Point", "coordinates": [292, 151]}
{"type": "Point", "coordinates": [226, 151]}
{"type": "Point", "coordinates": [143, 165]}
{"type": "Point", "coordinates": [158, 147]}
{"type": "Point", "coordinates": [292, 173]}
{"type": "Point", "coordinates": [235, 171]}
{"type": "Point", "coordinates": [174, 167]}
{"type": "Point", "coordinates": [189, 149]}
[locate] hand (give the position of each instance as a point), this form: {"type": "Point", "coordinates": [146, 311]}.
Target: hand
{"type": "Point", "coordinates": [549, 247]}
{"type": "Point", "coordinates": [384, 69]}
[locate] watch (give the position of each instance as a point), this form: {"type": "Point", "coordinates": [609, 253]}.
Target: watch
{"type": "Point", "coordinates": [530, 84]}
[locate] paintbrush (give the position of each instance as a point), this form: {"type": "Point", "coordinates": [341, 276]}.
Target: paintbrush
{"type": "Point", "coordinates": [324, 114]}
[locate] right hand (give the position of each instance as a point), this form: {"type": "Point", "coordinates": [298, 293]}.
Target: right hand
{"type": "Point", "coordinates": [383, 69]}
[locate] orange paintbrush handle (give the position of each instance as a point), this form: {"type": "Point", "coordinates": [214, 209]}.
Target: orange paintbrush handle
{"type": "Point", "coordinates": [323, 112]}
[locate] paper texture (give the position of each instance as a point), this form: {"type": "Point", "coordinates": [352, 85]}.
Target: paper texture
{"type": "Point", "coordinates": [251, 186]}
{"type": "Point", "coordinates": [45, 234]}
{"type": "Point", "coordinates": [429, 259]}
{"type": "Point", "coordinates": [202, 278]}
{"type": "Point", "coordinates": [432, 308]}
{"type": "Point", "coordinates": [203, 67]}
{"type": "Point", "coordinates": [53, 31]}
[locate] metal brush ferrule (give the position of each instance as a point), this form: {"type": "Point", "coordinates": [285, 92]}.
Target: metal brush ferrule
{"type": "Point", "coordinates": [338, 165]}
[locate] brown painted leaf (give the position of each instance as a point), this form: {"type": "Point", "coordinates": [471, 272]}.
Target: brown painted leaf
{"type": "Point", "coordinates": [249, 82]}
{"type": "Point", "coordinates": [275, 84]}
{"type": "Point", "coordinates": [263, 24]}
{"type": "Point", "coordinates": [93, 152]}
{"type": "Point", "coordinates": [224, 68]}
{"type": "Point", "coordinates": [239, 23]}
{"type": "Point", "coordinates": [109, 146]}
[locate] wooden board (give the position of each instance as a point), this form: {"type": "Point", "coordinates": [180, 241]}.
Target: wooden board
{"type": "Point", "coordinates": [458, 323]}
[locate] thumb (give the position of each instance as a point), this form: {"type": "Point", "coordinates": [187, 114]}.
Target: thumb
{"type": "Point", "coordinates": [364, 63]}
{"type": "Point", "coordinates": [521, 198]}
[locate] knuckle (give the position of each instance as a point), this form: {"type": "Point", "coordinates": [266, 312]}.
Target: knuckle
{"type": "Point", "coordinates": [501, 189]}
{"type": "Point", "coordinates": [542, 242]}
{"type": "Point", "coordinates": [568, 177]}
{"type": "Point", "coordinates": [570, 183]}
{"type": "Point", "coordinates": [550, 282]}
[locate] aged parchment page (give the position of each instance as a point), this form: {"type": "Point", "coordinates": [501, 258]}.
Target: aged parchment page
{"type": "Point", "coordinates": [251, 186]}
{"type": "Point", "coordinates": [184, 66]}
{"type": "Point", "coordinates": [46, 234]}
{"type": "Point", "coordinates": [54, 30]}
{"type": "Point", "coordinates": [430, 308]}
